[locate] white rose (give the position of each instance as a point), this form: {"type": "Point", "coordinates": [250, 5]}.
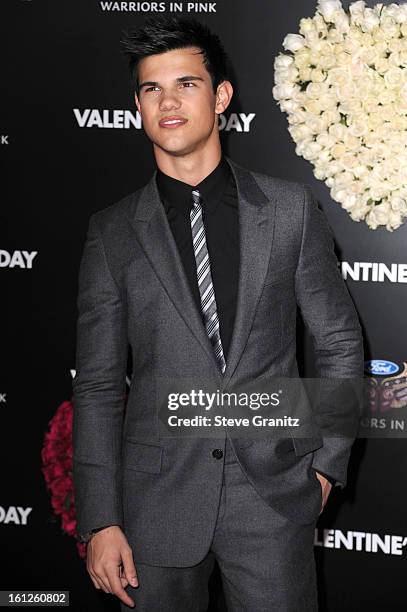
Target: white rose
{"type": "Point", "coordinates": [317, 125]}
{"type": "Point", "coordinates": [351, 106]}
{"type": "Point", "coordinates": [304, 74]}
{"type": "Point", "coordinates": [356, 10]}
{"type": "Point", "coordinates": [307, 25]}
{"type": "Point", "coordinates": [283, 61]}
{"type": "Point", "coordinates": [298, 116]}
{"type": "Point", "coordinates": [382, 64]}
{"type": "Point", "coordinates": [320, 173]}
{"type": "Point", "coordinates": [391, 11]}
{"type": "Point", "coordinates": [356, 188]}
{"type": "Point", "coordinates": [325, 140]}
{"type": "Point", "coordinates": [289, 106]}
{"type": "Point", "coordinates": [311, 38]}
{"type": "Point", "coordinates": [327, 8]}
{"type": "Point", "coordinates": [394, 77]}
{"type": "Point", "coordinates": [331, 116]}
{"type": "Point", "coordinates": [317, 76]}
{"type": "Point", "coordinates": [338, 131]}
{"type": "Point", "coordinates": [377, 191]}
{"type": "Point", "coordinates": [368, 55]}
{"type": "Point", "coordinates": [370, 20]}
{"type": "Point", "coordinates": [349, 201]}
{"type": "Point", "coordinates": [394, 220]}
{"type": "Point", "coordinates": [338, 193]}
{"type": "Point", "coordinates": [398, 204]}
{"type": "Point", "coordinates": [360, 171]}
{"type": "Point", "coordinates": [343, 59]}
{"type": "Point", "coordinates": [293, 42]}
{"type": "Point", "coordinates": [301, 146]}
{"type": "Point", "coordinates": [378, 215]}
{"type": "Point", "coordinates": [313, 106]}
{"type": "Point", "coordinates": [386, 96]}
{"type": "Point", "coordinates": [352, 143]}
{"type": "Point", "coordinates": [324, 157]}
{"type": "Point", "coordinates": [316, 90]}
{"type": "Point", "coordinates": [402, 13]}
{"type": "Point", "coordinates": [300, 132]}
{"type": "Point", "coordinates": [328, 102]}
{"type": "Point", "coordinates": [327, 61]}
{"type": "Point", "coordinates": [341, 21]}
{"type": "Point", "coordinates": [359, 211]}
{"type": "Point", "coordinates": [285, 91]}
{"type": "Point", "coordinates": [320, 23]}
{"type": "Point", "coordinates": [374, 121]}
{"type": "Point", "coordinates": [389, 28]}
{"type": "Point", "coordinates": [334, 168]}
{"type": "Point", "coordinates": [370, 104]}
{"type": "Point", "coordinates": [334, 35]}
{"type": "Point", "coordinates": [289, 74]}
{"type": "Point", "coordinates": [346, 178]}
{"type": "Point", "coordinates": [338, 76]}
{"type": "Point", "coordinates": [338, 150]}
{"type": "Point", "coordinates": [349, 161]}
{"type": "Point", "coordinates": [302, 58]}
{"type": "Point", "coordinates": [358, 127]}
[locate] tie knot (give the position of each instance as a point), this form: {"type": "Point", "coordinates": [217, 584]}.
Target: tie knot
{"type": "Point", "coordinates": [196, 198]}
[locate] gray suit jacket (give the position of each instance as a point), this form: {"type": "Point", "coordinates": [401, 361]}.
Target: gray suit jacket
{"type": "Point", "coordinates": [133, 291]}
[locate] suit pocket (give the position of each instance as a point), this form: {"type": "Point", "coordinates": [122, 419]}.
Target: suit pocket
{"type": "Point", "coordinates": [302, 446]}
{"type": "Point", "coordinates": [142, 457]}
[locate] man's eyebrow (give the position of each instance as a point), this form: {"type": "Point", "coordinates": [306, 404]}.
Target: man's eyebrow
{"type": "Point", "coordinates": [182, 79]}
{"type": "Point", "coordinates": [189, 78]}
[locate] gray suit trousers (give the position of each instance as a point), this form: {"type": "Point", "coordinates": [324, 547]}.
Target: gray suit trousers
{"type": "Point", "coordinates": [266, 560]}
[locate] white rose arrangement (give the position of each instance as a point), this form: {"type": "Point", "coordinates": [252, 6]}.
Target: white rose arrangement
{"type": "Point", "coordinates": [343, 84]}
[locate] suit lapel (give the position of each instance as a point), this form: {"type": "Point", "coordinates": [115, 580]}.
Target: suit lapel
{"type": "Point", "coordinates": [256, 223]}
{"type": "Point", "coordinates": [156, 239]}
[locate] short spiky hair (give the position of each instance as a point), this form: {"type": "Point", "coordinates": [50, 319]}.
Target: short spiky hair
{"type": "Point", "coordinates": [166, 33]}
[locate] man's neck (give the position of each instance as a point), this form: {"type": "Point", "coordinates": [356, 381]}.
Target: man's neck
{"type": "Point", "coordinates": [191, 169]}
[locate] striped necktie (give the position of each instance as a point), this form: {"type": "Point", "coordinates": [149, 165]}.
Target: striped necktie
{"type": "Point", "coordinates": [203, 270]}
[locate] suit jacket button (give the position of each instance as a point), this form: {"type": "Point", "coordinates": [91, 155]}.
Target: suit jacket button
{"type": "Point", "coordinates": [217, 453]}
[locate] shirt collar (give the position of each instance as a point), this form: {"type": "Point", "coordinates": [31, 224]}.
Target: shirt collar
{"type": "Point", "coordinates": [177, 194]}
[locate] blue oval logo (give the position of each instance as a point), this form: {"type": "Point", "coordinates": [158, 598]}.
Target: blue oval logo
{"type": "Point", "coordinates": [381, 367]}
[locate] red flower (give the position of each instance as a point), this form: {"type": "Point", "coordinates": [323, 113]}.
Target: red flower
{"type": "Point", "coordinates": [56, 456]}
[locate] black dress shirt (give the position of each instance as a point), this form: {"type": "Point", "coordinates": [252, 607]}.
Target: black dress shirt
{"type": "Point", "coordinates": [221, 221]}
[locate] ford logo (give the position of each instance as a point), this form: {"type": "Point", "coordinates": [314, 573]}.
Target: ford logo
{"type": "Point", "coordinates": [381, 367]}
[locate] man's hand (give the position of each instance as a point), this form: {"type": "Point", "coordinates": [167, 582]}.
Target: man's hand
{"type": "Point", "coordinates": [326, 488]}
{"type": "Point", "coordinates": [110, 563]}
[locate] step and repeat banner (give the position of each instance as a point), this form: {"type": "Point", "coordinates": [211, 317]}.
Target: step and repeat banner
{"type": "Point", "coordinates": [72, 143]}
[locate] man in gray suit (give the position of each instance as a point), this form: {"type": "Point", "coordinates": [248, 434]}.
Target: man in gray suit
{"type": "Point", "coordinates": [200, 272]}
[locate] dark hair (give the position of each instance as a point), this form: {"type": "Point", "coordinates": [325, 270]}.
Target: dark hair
{"type": "Point", "coordinates": [166, 33]}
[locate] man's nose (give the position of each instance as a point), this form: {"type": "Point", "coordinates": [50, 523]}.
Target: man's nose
{"type": "Point", "coordinates": [169, 100]}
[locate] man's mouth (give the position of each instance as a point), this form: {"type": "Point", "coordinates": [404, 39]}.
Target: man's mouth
{"type": "Point", "coordinates": [172, 122]}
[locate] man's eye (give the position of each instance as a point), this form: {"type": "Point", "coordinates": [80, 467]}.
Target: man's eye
{"type": "Point", "coordinates": [151, 88]}
{"type": "Point", "coordinates": [186, 83]}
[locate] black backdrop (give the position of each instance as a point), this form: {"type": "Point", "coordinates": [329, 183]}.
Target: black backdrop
{"type": "Point", "coordinates": [63, 55]}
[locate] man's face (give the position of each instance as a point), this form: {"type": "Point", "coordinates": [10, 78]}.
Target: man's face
{"type": "Point", "coordinates": [176, 101]}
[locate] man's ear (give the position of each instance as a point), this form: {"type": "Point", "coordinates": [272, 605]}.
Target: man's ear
{"type": "Point", "coordinates": [224, 95]}
{"type": "Point", "coordinates": [137, 102]}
